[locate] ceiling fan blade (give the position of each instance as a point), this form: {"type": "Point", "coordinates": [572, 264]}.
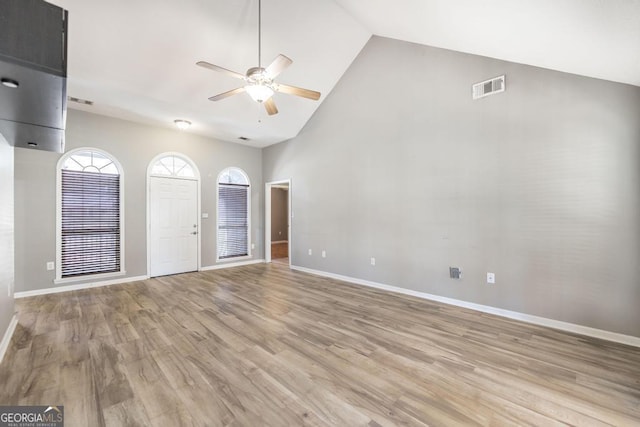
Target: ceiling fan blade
{"type": "Point", "coordinates": [298, 91]}
{"type": "Point", "coordinates": [278, 65]}
{"type": "Point", "coordinates": [226, 94]}
{"type": "Point", "coordinates": [220, 69]}
{"type": "Point", "coordinates": [270, 105]}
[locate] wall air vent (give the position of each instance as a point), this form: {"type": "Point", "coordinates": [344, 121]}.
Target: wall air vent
{"type": "Point", "coordinates": [79, 101]}
{"type": "Point", "coordinates": [489, 87]}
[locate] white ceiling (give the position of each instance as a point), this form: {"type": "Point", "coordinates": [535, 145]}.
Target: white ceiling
{"type": "Point", "coordinates": [136, 58]}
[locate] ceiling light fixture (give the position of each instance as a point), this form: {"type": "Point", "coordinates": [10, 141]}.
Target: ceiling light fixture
{"type": "Point", "coordinates": [9, 83]}
{"type": "Point", "coordinates": [259, 91]}
{"type": "Point", "coordinates": [182, 124]}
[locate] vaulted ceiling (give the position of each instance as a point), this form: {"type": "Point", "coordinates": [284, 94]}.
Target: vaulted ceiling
{"type": "Point", "coordinates": [135, 59]}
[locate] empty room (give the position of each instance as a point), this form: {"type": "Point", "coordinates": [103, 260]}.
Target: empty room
{"type": "Point", "coordinates": [319, 212]}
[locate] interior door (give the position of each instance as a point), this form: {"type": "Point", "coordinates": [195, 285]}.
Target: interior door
{"type": "Point", "coordinates": [173, 225]}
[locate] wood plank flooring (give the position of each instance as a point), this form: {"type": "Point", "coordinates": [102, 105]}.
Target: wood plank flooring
{"type": "Point", "coordinates": [265, 346]}
{"type": "Point", "coordinates": [279, 250]}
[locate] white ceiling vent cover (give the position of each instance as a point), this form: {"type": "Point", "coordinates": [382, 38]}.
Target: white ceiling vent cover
{"type": "Point", "coordinates": [488, 87]}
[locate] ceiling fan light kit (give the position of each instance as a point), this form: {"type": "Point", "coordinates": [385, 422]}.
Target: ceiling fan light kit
{"type": "Point", "coordinates": [259, 85]}
{"type": "Point", "coordinates": [259, 93]}
{"type": "Point", "coordinates": [259, 82]}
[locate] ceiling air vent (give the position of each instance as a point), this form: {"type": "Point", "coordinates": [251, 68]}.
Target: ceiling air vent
{"type": "Point", "coordinates": [488, 87]}
{"type": "Point", "coordinates": [79, 100]}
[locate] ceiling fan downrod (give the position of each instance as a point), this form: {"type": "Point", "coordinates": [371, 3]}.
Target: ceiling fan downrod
{"type": "Point", "coordinates": [260, 34]}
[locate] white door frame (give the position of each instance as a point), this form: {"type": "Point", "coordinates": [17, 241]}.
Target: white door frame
{"type": "Point", "coordinates": [267, 218]}
{"type": "Point", "coordinates": [198, 198]}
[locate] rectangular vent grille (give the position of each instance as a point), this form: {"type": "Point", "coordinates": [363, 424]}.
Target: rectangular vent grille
{"type": "Point", "coordinates": [79, 100]}
{"type": "Point", "coordinates": [489, 87]}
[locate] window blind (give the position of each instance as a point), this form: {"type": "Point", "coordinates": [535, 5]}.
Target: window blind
{"type": "Point", "coordinates": [233, 222]}
{"type": "Point", "coordinates": [90, 223]}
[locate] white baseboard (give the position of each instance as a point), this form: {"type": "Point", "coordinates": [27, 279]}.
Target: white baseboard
{"type": "Point", "coordinates": [57, 289]}
{"type": "Point", "coordinates": [6, 339]}
{"type": "Point", "coordinates": [68, 288]}
{"type": "Point", "coordinates": [536, 320]}
{"type": "Point", "coordinates": [232, 264]}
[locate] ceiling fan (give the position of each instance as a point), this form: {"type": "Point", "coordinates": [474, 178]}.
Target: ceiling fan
{"type": "Point", "coordinates": [259, 81]}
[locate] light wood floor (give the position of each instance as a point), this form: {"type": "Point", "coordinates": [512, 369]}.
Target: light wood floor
{"type": "Point", "coordinates": [263, 345]}
{"type": "Point", "coordinates": [279, 250]}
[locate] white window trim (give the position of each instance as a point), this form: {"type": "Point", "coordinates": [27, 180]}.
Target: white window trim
{"type": "Point", "coordinates": [196, 171]}
{"type": "Point", "coordinates": [59, 280]}
{"type": "Point", "coordinates": [91, 276]}
{"type": "Point", "coordinates": [249, 243]}
{"type": "Point", "coordinates": [235, 258]}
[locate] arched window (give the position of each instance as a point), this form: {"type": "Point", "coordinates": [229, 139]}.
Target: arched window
{"type": "Point", "coordinates": [90, 214]}
{"type": "Point", "coordinates": [234, 190]}
{"type": "Point", "coordinates": [173, 165]}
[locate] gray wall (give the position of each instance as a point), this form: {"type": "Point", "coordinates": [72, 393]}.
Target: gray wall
{"type": "Point", "coordinates": [540, 184]}
{"type": "Point", "coordinates": [6, 235]}
{"type": "Point", "coordinates": [134, 146]}
{"type": "Point", "coordinates": [279, 208]}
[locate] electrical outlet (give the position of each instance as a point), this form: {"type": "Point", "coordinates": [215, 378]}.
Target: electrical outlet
{"type": "Point", "coordinates": [310, 252]}
{"type": "Point", "coordinates": [491, 278]}
{"type": "Point", "coordinates": [51, 265]}
{"type": "Point", "coordinates": [324, 254]}
{"type": "Point", "coordinates": [373, 261]}
{"type": "Point", "coordinates": [455, 272]}
{"type": "Point", "coordinates": [253, 246]}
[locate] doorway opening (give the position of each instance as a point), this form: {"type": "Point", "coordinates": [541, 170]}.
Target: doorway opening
{"type": "Point", "coordinates": [173, 215]}
{"type": "Point", "coordinates": [278, 222]}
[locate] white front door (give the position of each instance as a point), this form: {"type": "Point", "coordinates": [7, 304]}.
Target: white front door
{"type": "Point", "coordinates": [173, 228]}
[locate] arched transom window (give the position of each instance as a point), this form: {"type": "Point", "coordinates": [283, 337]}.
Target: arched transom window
{"type": "Point", "coordinates": [173, 166]}
{"type": "Point", "coordinates": [90, 161]}
{"type": "Point", "coordinates": [233, 176]}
